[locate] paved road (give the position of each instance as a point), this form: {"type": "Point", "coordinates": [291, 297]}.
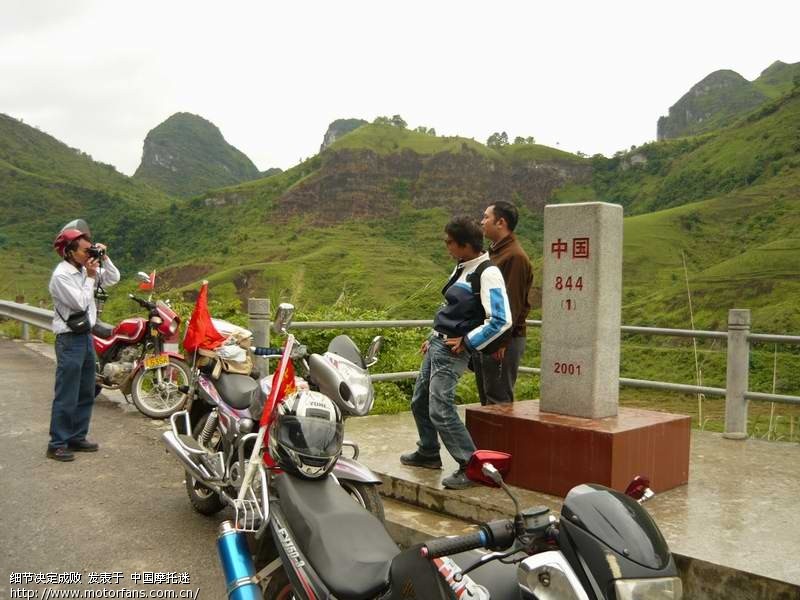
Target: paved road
{"type": "Point", "coordinates": [122, 509]}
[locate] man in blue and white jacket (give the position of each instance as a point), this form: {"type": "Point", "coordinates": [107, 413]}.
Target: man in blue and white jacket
{"type": "Point", "coordinates": [467, 321]}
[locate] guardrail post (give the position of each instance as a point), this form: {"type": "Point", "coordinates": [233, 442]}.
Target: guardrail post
{"type": "Point", "coordinates": [737, 374]}
{"type": "Point", "coordinates": [258, 312]}
{"type": "Point", "coordinates": [26, 332]}
{"type": "Point", "coordinates": [40, 331]}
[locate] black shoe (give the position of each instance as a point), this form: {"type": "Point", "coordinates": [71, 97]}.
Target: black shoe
{"type": "Point", "coordinates": [415, 459]}
{"type": "Point", "coordinates": [60, 454]}
{"type": "Point", "coordinates": [83, 446]}
{"type": "Point", "coordinates": [458, 480]}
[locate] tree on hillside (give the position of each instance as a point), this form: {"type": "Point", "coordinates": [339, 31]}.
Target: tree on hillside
{"type": "Point", "coordinates": [426, 130]}
{"type": "Point", "coordinates": [497, 140]}
{"type": "Point", "coordinates": [524, 140]}
{"type": "Point", "coordinates": [382, 121]}
{"type": "Point", "coordinates": [398, 121]}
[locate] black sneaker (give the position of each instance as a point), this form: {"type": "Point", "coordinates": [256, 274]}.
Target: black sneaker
{"type": "Point", "coordinates": [415, 459]}
{"type": "Point", "coordinates": [83, 446]}
{"type": "Point", "coordinates": [458, 480]}
{"type": "Point", "coordinates": [60, 454]}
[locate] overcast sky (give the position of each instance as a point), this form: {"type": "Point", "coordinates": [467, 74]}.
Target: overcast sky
{"type": "Point", "coordinates": [583, 76]}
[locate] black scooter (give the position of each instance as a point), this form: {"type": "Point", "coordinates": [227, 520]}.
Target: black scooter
{"type": "Point", "coordinates": [317, 543]}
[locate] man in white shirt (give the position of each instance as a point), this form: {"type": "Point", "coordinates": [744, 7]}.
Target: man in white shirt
{"type": "Point", "coordinates": [72, 287]}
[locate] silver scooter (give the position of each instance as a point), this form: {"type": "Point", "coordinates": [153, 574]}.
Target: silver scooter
{"type": "Point", "coordinates": [228, 416]}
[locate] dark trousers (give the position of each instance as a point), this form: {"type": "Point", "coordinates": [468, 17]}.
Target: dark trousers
{"type": "Point", "coordinates": [74, 389]}
{"type": "Point", "coordinates": [495, 380]}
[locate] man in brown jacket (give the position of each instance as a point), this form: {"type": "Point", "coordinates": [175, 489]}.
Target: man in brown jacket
{"type": "Point", "coordinates": [496, 373]}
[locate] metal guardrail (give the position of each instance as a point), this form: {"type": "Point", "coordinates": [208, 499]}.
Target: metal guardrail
{"type": "Point", "coordinates": [738, 339]}
{"type": "Point", "coordinates": [30, 315]}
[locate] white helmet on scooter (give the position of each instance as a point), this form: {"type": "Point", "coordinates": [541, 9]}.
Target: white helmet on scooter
{"type": "Point", "coordinates": [305, 437]}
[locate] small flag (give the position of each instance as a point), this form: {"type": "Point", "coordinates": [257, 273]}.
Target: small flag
{"type": "Point", "coordinates": [201, 332]}
{"type": "Point", "coordinates": [149, 285]}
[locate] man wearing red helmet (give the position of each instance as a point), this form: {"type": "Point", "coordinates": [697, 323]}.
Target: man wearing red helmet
{"type": "Point", "coordinates": [72, 287]}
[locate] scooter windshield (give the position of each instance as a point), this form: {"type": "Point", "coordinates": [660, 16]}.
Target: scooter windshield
{"type": "Point", "coordinates": [618, 521]}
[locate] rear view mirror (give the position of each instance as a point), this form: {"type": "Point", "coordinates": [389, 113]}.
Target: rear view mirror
{"type": "Point", "coordinates": [488, 467]}
{"type": "Point", "coordinates": [283, 318]}
{"type": "Point", "coordinates": [143, 277]}
{"type": "Point", "coordinates": [371, 357]}
{"type": "Point", "coordinates": [639, 489]}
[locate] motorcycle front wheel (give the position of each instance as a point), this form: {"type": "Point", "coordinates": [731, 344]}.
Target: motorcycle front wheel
{"type": "Point", "coordinates": [159, 400]}
{"type": "Point", "coordinates": [365, 494]}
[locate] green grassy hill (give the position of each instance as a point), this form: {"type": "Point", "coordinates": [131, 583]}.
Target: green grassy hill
{"type": "Point", "coordinates": [752, 151]}
{"type": "Point", "coordinates": [43, 185]}
{"type": "Point", "coordinates": [363, 221]}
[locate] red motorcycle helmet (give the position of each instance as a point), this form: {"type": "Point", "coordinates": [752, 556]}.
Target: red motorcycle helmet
{"type": "Point", "coordinates": [65, 238]}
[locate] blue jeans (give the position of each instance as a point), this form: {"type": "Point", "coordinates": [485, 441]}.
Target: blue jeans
{"type": "Point", "coordinates": [433, 403]}
{"type": "Point", "coordinates": [74, 389]}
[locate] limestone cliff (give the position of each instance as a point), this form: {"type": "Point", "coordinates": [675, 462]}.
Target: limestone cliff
{"type": "Point", "coordinates": [713, 102]}
{"type": "Point", "coordinates": [360, 183]}
{"type": "Point", "coordinates": [187, 155]}
{"type": "Point", "coordinates": [339, 128]}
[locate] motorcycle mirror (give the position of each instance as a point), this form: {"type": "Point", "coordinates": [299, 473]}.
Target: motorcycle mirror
{"type": "Point", "coordinates": [283, 318]}
{"type": "Point", "coordinates": [143, 277]}
{"type": "Point", "coordinates": [639, 489]}
{"type": "Point", "coordinates": [371, 357]}
{"type": "Point", "coordinates": [488, 467]}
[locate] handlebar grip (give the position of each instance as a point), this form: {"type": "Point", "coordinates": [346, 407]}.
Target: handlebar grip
{"type": "Point", "coordinates": [453, 545]}
{"type": "Point", "coordinates": [265, 351]}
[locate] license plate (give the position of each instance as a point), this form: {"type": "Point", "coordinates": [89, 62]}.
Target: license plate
{"type": "Point", "coordinates": [157, 361]}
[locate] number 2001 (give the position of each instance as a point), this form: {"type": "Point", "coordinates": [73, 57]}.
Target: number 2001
{"type": "Point", "coordinates": [562, 368]}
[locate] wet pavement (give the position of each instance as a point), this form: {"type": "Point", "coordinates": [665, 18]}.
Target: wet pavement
{"type": "Point", "coordinates": [740, 509]}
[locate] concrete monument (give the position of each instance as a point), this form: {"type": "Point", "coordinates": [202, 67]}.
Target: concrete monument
{"type": "Point", "coordinates": [581, 299]}
{"type": "Point", "coordinates": [577, 433]}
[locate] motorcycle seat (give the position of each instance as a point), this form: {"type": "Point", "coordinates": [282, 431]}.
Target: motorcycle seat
{"type": "Point", "coordinates": [347, 546]}
{"type": "Point", "coordinates": [237, 390]}
{"type": "Point", "coordinates": [103, 330]}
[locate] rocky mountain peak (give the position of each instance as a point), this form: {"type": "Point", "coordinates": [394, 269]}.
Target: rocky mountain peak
{"type": "Point", "coordinates": [187, 154]}
{"type": "Point", "coordinates": [338, 128]}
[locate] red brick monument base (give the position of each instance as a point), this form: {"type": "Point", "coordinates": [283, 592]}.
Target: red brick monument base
{"type": "Point", "coordinates": [552, 453]}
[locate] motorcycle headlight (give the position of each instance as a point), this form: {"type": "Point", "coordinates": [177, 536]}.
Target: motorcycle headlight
{"type": "Point", "coordinates": [173, 327]}
{"type": "Point", "coordinates": [662, 588]}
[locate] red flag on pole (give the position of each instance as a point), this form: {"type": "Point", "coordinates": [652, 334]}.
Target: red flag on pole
{"type": "Point", "coordinates": [201, 332]}
{"type": "Point", "coordinates": [149, 285]}
{"type": "Point", "coordinates": [282, 386]}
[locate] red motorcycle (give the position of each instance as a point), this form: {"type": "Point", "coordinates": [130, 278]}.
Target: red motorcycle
{"type": "Point", "coordinates": [131, 358]}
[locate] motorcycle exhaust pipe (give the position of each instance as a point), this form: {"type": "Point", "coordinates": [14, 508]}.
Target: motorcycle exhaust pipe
{"type": "Point", "coordinates": [237, 564]}
{"type": "Point", "coordinates": [174, 446]}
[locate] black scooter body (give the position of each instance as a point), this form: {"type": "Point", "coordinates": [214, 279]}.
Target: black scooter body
{"type": "Point", "coordinates": [606, 535]}
{"type": "Point", "coordinates": [317, 523]}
